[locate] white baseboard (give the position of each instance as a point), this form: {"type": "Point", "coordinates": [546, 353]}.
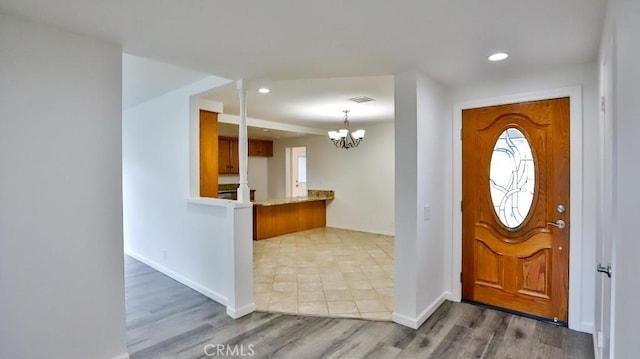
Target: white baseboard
{"type": "Point", "coordinates": [122, 356]}
{"type": "Point", "coordinates": [367, 230]}
{"type": "Point", "coordinates": [404, 320]}
{"type": "Point", "coordinates": [596, 350]}
{"type": "Point", "coordinates": [189, 283]}
{"type": "Point", "coordinates": [236, 313]}
{"type": "Point", "coordinates": [415, 323]}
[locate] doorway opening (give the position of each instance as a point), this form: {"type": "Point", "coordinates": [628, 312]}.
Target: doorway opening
{"type": "Point", "coordinates": [515, 212]}
{"type": "Point", "coordinates": [296, 171]}
{"type": "Point", "coordinates": [325, 271]}
{"type": "Point", "coordinates": [576, 302]}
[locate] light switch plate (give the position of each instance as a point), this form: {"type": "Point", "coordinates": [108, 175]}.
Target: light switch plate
{"type": "Point", "coordinates": [427, 212]}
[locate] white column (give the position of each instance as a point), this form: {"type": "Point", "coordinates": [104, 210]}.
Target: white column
{"type": "Point", "coordinates": [243, 143]}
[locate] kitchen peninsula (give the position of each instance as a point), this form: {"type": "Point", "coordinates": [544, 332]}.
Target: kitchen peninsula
{"type": "Point", "coordinates": [287, 215]}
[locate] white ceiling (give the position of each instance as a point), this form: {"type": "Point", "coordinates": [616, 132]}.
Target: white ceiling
{"type": "Point", "coordinates": [144, 79]}
{"type": "Point", "coordinates": [278, 40]}
{"type": "Point", "coordinates": [257, 133]}
{"type": "Point", "coordinates": [314, 102]}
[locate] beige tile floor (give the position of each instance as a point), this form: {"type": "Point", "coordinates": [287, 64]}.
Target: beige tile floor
{"type": "Point", "coordinates": [325, 272]}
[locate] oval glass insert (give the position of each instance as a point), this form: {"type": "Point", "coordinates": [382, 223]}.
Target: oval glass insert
{"type": "Point", "coordinates": [512, 178]}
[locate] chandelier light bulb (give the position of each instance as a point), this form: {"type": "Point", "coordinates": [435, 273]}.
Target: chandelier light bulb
{"type": "Point", "coordinates": [344, 138]}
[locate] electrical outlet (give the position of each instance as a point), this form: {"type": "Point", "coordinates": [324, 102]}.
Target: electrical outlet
{"type": "Point", "coordinates": [427, 212]}
{"type": "Point", "coordinates": [164, 254]}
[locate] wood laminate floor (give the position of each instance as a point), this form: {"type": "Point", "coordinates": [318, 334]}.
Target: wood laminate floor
{"type": "Point", "coordinates": [168, 320]}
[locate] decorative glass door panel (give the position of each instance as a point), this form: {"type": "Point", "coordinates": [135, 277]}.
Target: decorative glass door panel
{"type": "Point", "coordinates": [512, 177]}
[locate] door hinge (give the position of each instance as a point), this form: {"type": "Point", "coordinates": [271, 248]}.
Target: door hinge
{"type": "Point", "coordinates": [460, 134]}
{"type": "Point", "coordinates": [606, 270]}
{"type": "Point", "coordinates": [602, 104]}
{"type": "Point", "coordinates": [461, 206]}
{"type": "Point", "coordinates": [600, 339]}
{"type": "Point", "coordinates": [460, 277]}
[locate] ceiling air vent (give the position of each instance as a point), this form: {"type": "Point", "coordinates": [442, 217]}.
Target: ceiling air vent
{"type": "Point", "coordinates": [361, 99]}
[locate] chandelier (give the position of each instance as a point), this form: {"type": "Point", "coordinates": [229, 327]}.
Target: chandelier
{"type": "Point", "coordinates": [344, 138]}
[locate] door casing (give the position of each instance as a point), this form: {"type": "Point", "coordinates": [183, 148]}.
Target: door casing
{"type": "Point", "coordinates": [605, 234]}
{"type": "Point", "coordinates": [296, 188]}
{"type": "Point", "coordinates": [576, 169]}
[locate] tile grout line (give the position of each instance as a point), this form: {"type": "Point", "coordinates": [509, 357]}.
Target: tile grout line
{"type": "Point", "coordinates": [376, 258]}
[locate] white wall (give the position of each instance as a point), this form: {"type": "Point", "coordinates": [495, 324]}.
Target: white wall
{"type": "Point", "coordinates": [61, 264]}
{"type": "Point", "coordinates": [190, 240]}
{"type": "Point", "coordinates": [422, 177]}
{"type": "Point", "coordinates": [362, 178]}
{"type": "Point", "coordinates": [258, 177]}
{"type": "Point", "coordinates": [626, 243]}
{"type": "Point", "coordinates": [585, 76]}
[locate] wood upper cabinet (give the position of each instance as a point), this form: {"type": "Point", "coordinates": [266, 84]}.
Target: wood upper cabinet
{"type": "Point", "coordinates": [228, 161]}
{"type": "Point", "coordinates": [208, 154]}
{"type": "Point", "coordinates": [260, 148]}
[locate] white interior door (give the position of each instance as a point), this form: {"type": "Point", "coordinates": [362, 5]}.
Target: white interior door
{"type": "Point", "coordinates": [606, 204]}
{"type": "Point", "coordinates": [298, 171]}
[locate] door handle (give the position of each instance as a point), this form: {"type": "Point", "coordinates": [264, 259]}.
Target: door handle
{"type": "Point", "coordinates": [559, 223]}
{"type": "Point", "coordinates": [606, 270]}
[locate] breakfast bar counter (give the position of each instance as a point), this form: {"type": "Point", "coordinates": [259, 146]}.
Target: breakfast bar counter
{"type": "Point", "coordinates": [292, 214]}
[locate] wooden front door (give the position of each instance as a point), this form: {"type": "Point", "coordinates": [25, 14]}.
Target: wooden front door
{"type": "Point", "coordinates": [515, 210]}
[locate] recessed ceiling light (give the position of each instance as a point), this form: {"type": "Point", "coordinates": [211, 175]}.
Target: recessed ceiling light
{"type": "Point", "coordinates": [264, 90]}
{"type": "Point", "coordinates": [498, 56]}
{"type": "Point", "coordinates": [265, 130]}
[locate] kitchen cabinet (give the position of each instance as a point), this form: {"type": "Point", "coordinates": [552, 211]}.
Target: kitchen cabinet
{"type": "Point", "coordinates": [228, 161]}
{"type": "Point", "coordinates": [260, 148]}
{"type": "Point", "coordinates": [208, 154]}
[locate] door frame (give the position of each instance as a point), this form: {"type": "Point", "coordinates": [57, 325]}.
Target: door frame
{"type": "Point", "coordinates": [575, 202]}
{"type": "Point", "coordinates": [291, 171]}
{"type": "Point", "coordinates": [604, 228]}
{"type": "Point", "coordinates": [288, 170]}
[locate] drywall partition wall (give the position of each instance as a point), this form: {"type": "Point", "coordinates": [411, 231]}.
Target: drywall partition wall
{"type": "Point", "coordinates": [626, 246]}
{"type": "Point", "coordinates": [422, 193]}
{"type": "Point", "coordinates": [61, 265]}
{"type": "Point", "coordinates": [434, 188]}
{"type": "Point", "coordinates": [190, 240]}
{"type": "Point", "coordinates": [584, 130]}
{"type": "Point", "coordinates": [361, 177]}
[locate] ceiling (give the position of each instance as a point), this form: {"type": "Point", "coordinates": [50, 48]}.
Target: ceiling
{"type": "Point", "coordinates": [257, 133]}
{"type": "Point", "coordinates": [315, 103]}
{"type": "Point", "coordinates": [144, 79]}
{"type": "Point", "coordinates": [310, 51]}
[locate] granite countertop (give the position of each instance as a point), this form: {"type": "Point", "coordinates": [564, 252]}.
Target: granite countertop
{"type": "Point", "coordinates": [312, 195]}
